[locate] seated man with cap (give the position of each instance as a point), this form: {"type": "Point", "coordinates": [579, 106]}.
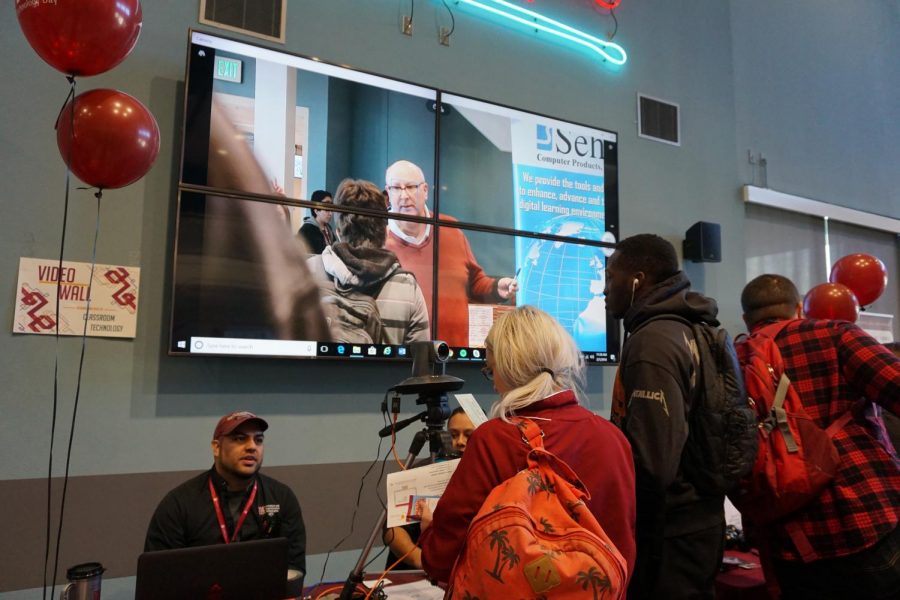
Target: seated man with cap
{"type": "Point", "coordinates": [233, 501]}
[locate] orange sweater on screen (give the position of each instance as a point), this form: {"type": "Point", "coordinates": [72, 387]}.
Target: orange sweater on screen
{"type": "Point", "coordinates": [460, 280]}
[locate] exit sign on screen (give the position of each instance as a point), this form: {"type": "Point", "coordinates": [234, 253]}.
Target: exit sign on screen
{"type": "Point", "coordinates": [227, 69]}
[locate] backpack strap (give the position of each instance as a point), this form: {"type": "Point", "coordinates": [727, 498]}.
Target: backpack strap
{"type": "Point", "coordinates": [857, 408]}
{"type": "Point", "coordinates": [780, 414]}
{"type": "Point", "coordinates": [666, 317]}
{"type": "Point", "coordinates": [532, 435]}
{"type": "Point", "coordinates": [374, 290]}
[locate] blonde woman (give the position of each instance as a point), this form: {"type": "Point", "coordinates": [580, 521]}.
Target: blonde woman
{"type": "Point", "coordinates": [539, 373]}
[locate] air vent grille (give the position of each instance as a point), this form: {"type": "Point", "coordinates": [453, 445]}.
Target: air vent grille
{"type": "Point", "coordinates": [658, 120]}
{"type": "Point", "coordinates": [260, 18]}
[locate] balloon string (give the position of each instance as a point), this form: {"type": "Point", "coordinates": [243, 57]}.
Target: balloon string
{"type": "Point", "coordinates": [62, 246]}
{"type": "Point", "coordinates": [59, 115]}
{"type": "Point", "coordinates": [87, 311]}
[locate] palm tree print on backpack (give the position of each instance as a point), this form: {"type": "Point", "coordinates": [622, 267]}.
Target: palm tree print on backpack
{"type": "Point", "coordinates": [593, 577]}
{"type": "Point", "coordinates": [535, 483]}
{"type": "Point", "coordinates": [548, 527]}
{"type": "Point", "coordinates": [574, 508]}
{"type": "Point", "coordinates": [506, 554]}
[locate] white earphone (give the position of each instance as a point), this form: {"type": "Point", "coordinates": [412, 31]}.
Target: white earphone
{"type": "Point", "coordinates": [634, 285]}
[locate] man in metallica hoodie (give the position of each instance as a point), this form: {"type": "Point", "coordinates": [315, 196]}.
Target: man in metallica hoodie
{"type": "Point", "coordinates": [680, 533]}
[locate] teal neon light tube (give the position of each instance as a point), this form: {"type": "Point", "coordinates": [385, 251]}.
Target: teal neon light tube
{"type": "Point", "coordinates": [614, 53]}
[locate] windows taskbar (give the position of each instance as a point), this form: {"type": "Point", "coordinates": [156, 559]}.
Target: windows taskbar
{"type": "Point", "coordinates": [313, 349]}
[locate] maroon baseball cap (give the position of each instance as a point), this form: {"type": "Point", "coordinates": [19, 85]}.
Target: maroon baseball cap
{"type": "Point", "coordinates": [232, 421]}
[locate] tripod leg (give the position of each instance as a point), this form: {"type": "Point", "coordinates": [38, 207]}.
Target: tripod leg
{"type": "Point", "coordinates": [356, 575]}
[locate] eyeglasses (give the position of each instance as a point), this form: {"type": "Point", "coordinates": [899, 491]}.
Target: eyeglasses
{"type": "Point", "coordinates": [408, 188]}
{"type": "Point", "coordinates": [488, 373]}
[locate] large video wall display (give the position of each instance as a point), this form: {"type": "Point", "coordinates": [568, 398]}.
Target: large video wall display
{"type": "Point", "coordinates": [476, 208]}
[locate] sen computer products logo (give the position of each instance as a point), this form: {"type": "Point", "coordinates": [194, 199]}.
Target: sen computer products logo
{"type": "Point", "coordinates": [566, 147]}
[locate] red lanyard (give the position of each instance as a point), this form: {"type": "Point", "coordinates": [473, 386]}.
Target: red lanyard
{"type": "Point", "coordinates": [221, 517]}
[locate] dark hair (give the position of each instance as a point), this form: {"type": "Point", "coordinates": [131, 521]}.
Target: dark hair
{"type": "Point", "coordinates": [361, 230]}
{"type": "Point", "coordinates": [648, 253]}
{"type": "Point", "coordinates": [769, 296]}
{"type": "Point", "coordinates": [893, 347]}
{"type": "Point", "coordinates": [318, 196]}
{"type": "Point", "coordinates": [457, 411]}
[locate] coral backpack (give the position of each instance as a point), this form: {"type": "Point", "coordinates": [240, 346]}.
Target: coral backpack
{"type": "Point", "coordinates": [534, 537]}
{"type": "Point", "coordinates": [796, 459]}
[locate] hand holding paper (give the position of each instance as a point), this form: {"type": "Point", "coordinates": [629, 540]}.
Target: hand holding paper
{"type": "Point", "coordinates": [423, 509]}
{"type": "Point", "coordinates": [427, 483]}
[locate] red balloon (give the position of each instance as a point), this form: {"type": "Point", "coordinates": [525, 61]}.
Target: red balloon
{"type": "Point", "coordinates": [864, 274]}
{"type": "Point", "coordinates": [81, 37]}
{"type": "Point", "coordinates": [831, 301]}
{"type": "Point", "coordinates": [110, 139]}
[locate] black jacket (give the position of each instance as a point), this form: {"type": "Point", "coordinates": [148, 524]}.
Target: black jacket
{"type": "Point", "coordinates": [658, 375]}
{"type": "Point", "coordinates": [311, 232]}
{"type": "Point", "coordinates": [186, 517]}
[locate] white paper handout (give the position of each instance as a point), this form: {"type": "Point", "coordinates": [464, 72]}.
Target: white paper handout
{"type": "Point", "coordinates": [404, 487]}
{"type": "Point", "coordinates": [471, 408]}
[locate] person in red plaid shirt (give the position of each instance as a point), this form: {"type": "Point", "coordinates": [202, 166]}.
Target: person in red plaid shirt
{"type": "Point", "coordinates": [852, 539]}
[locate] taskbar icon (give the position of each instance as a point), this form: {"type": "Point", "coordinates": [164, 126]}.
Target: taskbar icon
{"type": "Point", "coordinates": [361, 350]}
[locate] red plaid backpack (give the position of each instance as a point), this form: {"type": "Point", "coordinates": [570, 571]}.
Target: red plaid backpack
{"type": "Point", "coordinates": [796, 459]}
{"type": "Point", "coordinates": [534, 537]}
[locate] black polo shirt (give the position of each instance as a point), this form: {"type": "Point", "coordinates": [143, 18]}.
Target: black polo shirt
{"type": "Point", "coordinates": [186, 517]}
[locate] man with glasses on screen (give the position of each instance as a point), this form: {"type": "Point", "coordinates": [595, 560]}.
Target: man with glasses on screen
{"type": "Point", "coordinates": [462, 280]}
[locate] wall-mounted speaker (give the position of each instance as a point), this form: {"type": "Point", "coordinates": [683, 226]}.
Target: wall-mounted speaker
{"type": "Point", "coordinates": [703, 242]}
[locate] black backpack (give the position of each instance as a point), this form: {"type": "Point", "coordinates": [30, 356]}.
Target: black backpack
{"type": "Point", "coordinates": [722, 439]}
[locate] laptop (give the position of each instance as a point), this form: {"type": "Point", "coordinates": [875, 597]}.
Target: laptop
{"type": "Point", "coordinates": [254, 570]}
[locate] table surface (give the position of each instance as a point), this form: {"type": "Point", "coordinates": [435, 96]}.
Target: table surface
{"type": "Point", "coordinates": [738, 583]}
{"type": "Point", "coordinates": [396, 577]}
{"type": "Point", "coordinates": [733, 583]}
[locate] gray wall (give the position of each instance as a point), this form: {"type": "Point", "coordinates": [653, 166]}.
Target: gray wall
{"type": "Point", "coordinates": [816, 88]}
{"type": "Point", "coordinates": [812, 86]}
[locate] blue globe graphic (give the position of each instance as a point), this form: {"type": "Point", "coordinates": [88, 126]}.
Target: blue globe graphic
{"type": "Point", "coordinates": [567, 279]}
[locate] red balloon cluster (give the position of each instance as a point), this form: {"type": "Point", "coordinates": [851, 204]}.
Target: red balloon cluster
{"type": "Point", "coordinates": [864, 274]}
{"type": "Point", "coordinates": [109, 139]}
{"type": "Point", "coordinates": [855, 280]}
{"type": "Point", "coordinates": [81, 37]}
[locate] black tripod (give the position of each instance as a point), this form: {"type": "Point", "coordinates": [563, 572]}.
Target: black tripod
{"type": "Point", "coordinates": [432, 392]}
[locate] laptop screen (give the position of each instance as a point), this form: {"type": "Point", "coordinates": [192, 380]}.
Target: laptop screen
{"type": "Point", "coordinates": [254, 570]}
